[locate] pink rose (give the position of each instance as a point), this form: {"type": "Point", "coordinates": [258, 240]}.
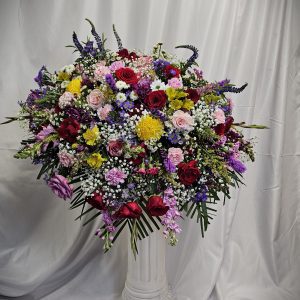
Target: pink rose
{"type": "Point", "coordinates": [115, 147]}
{"type": "Point", "coordinates": [95, 99]}
{"type": "Point", "coordinates": [104, 111]}
{"type": "Point", "coordinates": [101, 71]}
{"type": "Point", "coordinates": [183, 120]}
{"type": "Point", "coordinates": [116, 65]}
{"type": "Point", "coordinates": [175, 155]}
{"type": "Point", "coordinates": [175, 83]}
{"type": "Point", "coordinates": [219, 116]}
{"type": "Point", "coordinates": [141, 171]}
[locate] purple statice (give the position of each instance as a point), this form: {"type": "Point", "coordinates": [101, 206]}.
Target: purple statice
{"type": "Point", "coordinates": [161, 115]}
{"type": "Point", "coordinates": [34, 95]}
{"type": "Point", "coordinates": [174, 138]}
{"type": "Point", "coordinates": [143, 87]}
{"type": "Point", "coordinates": [169, 219]}
{"type": "Point", "coordinates": [60, 186]}
{"type": "Point", "coordinates": [169, 166]}
{"type": "Point", "coordinates": [201, 195]}
{"type": "Point", "coordinates": [131, 186]}
{"type": "Point", "coordinates": [39, 78]}
{"type": "Point", "coordinates": [160, 64]}
{"type": "Point", "coordinates": [79, 114]}
{"type": "Point", "coordinates": [110, 81]}
{"type": "Point", "coordinates": [236, 164]}
{"type": "Point", "coordinates": [128, 105]}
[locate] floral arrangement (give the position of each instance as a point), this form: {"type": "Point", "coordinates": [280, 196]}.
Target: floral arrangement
{"type": "Point", "coordinates": [136, 139]}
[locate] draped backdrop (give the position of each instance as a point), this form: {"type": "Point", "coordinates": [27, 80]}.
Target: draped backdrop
{"type": "Point", "coordinates": [251, 250]}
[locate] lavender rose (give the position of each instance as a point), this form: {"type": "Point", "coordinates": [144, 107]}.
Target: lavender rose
{"type": "Point", "coordinates": [60, 186]}
{"type": "Point", "coordinates": [115, 147]}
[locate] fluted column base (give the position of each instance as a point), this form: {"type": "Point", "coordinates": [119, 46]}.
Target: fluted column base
{"type": "Point", "coordinates": [146, 275]}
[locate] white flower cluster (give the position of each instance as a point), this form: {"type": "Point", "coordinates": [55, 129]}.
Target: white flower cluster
{"type": "Point", "coordinates": [203, 115]}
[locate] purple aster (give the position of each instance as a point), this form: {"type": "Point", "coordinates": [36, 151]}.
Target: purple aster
{"type": "Point", "coordinates": [174, 138]}
{"type": "Point", "coordinates": [128, 105]}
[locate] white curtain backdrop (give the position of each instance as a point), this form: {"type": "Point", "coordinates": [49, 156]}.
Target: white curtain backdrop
{"type": "Point", "coordinates": [252, 248]}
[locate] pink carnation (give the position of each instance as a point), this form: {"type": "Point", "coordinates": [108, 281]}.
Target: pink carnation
{"type": "Point", "coordinates": [101, 71]}
{"type": "Point", "coordinates": [44, 132]}
{"type": "Point", "coordinates": [66, 159]}
{"type": "Point", "coordinates": [175, 155]}
{"type": "Point", "coordinates": [116, 65]}
{"type": "Point", "coordinates": [175, 83]}
{"type": "Point", "coordinates": [95, 99]}
{"type": "Point", "coordinates": [104, 111]}
{"type": "Point", "coordinates": [115, 176]}
{"type": "Point", "coordinates": [183, 120]}
{"type": "Point", "coordinates": [219, 116]}
{"type": "Point", "coordinates": [65, 99]}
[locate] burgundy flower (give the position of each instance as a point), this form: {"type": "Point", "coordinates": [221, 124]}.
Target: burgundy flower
{"type": "Point", "coordinates": [129, 210]}
{"type": "Point", "coordinates": [156, 206]}
{"type": "Point", "coordinates": [222, 129]}
{"type": "Point", "coordinates": [193, 95]}
{"type": "Point", "coordinates": [68, 129]}
{"type": "Point", "coordinates": [171, 71]}
{"type": "Point", "coordinates": [125, 54]}
{"type": "Point", "coordinates": [188, 173]}
{"type": "Point", "coordinates": [96, 201]}
{"type": "Point", "coordinates": [127, 75]}
{"type": "Point", "coordinates": [156, 99]}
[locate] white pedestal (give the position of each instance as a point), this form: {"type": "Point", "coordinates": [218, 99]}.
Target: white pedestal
{"type": "Point", "coordinates": [146, 275]}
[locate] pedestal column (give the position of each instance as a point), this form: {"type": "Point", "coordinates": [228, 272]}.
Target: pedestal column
{"type": "Point", "coordinates": [146, 275]}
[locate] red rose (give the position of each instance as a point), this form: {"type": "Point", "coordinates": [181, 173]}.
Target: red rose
{"type": "Point", "coordinates": [130, 210]}
{"type": "Point", "coordinates": [222, 129]}
{"type": "Point", "coordinates": [127, 75]}
{"type": "Point", "coordinates": [193, 95]}
{"type": "Point", "coordinates": [171, 71]}
{"type": "Point", "coordinates": [115, 147]}
{"type": "Point", "coordinates": [96, 201]}
{"type": "Point", "coordinates": [156, 100]}
{"type": "Point", "coordinates": [125, 54]}
{"type": "Point", "coordinates": [68, 129]}
{"type": "Point", "coordinates": [188, 172]}
{"type": "Point", "coordinates": [156, 206]}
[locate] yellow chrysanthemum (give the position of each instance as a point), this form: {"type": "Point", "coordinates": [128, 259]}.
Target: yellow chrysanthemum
{"type": "Point", "coordinates": [74, 86]}
{"type": "Point", "coordinates": [95, 160]}
{"type": "Point", "coordinates": [188, 104]}
{"type": "Point", "coordinates": [176, 104]}
{"type": "Point", "coordinates": [149, 128]}
{"type": "Point", "coordinates": [91, 136]}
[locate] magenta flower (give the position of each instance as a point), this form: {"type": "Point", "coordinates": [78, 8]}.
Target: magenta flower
{"type": "Point", "coordinates": [60, 186]}
{"type": "Point", "coordinates": [115, 176]}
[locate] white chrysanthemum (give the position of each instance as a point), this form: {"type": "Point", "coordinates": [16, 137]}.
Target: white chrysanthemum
{"type": "Point", "coordinates": [121, 85]}
{"type": "Point", "coordinates": [69, 69]}
{"type": "Point", "coordinates": [158, 85]}
{"type": "Point", "coordinates": [121, 97]}
{"type": "Point", "coordinates": [133, 96]}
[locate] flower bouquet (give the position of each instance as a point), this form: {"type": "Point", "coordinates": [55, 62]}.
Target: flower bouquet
{"type": "Point", "coordinates": [136, 139]}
